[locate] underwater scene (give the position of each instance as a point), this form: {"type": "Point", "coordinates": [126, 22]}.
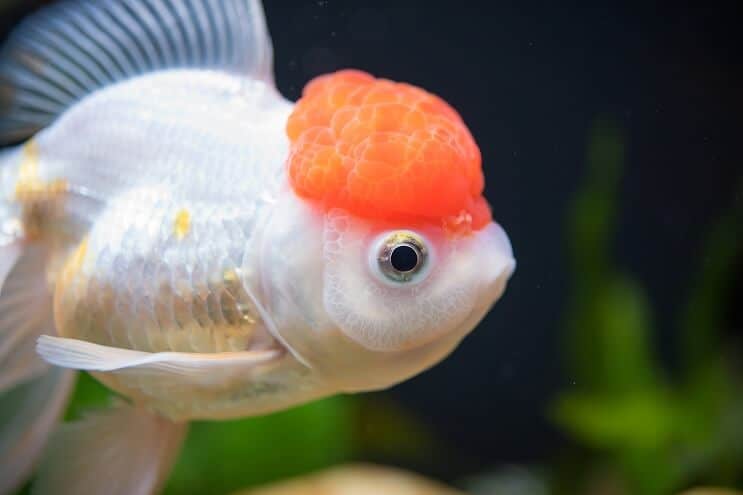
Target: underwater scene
{"type": "Point", "coordinates": [345, 248]}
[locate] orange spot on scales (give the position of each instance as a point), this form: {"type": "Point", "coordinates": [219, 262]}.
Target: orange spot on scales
{"type": "Point", "coordinates": [386, 150]}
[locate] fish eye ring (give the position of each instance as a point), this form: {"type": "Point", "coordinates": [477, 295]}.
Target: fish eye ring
{"type": "Point", "coordinates": [402, 256]}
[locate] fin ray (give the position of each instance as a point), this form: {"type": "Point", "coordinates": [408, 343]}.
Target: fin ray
{"type": "Point", "coordinates": [48, 44]}
{"type": "Point", "coordinates": [98, 38]}
{"type": "Point", "coordinates": [187, 30]}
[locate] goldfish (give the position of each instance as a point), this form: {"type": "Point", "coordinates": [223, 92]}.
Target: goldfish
{"type": "Point", "coordinates": [207, 249]}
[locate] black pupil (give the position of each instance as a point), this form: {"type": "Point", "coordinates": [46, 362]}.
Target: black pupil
{"type": "Point", "coordinates": [404, 258]}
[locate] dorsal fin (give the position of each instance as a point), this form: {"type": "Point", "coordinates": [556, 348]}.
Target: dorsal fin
{"type": "Point", "coordinates": [68, 50]}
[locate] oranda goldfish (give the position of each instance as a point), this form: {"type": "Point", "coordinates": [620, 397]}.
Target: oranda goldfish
{"type": "Point", "coordinates": [208, 249]}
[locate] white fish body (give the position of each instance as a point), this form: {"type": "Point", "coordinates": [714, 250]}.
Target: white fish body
{"type": "Point", "coordinates": [175, 174]}
{"type": "Point", "coordinates": [150, 235]}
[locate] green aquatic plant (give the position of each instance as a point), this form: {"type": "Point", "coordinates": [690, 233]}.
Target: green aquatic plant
{"type": "Point", "coordinates": [639, 429]}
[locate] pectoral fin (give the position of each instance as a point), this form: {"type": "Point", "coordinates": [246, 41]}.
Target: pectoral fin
{"type": "Point", "coordinates": [168, 367]}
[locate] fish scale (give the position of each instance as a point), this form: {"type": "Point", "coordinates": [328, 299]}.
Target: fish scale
{"type": "Point", "coordinates": [186, 299]}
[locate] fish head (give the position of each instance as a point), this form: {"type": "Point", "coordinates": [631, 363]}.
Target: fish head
{"type": "Point", "coordinates": [381, 253]}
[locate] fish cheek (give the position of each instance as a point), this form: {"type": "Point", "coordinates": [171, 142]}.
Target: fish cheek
{"type": "Point", "coordinates": [384, 317]}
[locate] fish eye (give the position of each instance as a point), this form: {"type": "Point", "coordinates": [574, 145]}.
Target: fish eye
{"type": "Point", "coordinates": [402, 256]}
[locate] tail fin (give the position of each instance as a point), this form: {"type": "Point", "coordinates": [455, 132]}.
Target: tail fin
{"type": "Point", "coordinates": [32, 394]}
{"type": "Point", "coordinates": [10, 251]}
{"type": "Point", "coordinates": [28, 413]}
{"type": "Point", "coordinates": [25, 312]}
{"type": "Point", "coordinates": [125, 450]}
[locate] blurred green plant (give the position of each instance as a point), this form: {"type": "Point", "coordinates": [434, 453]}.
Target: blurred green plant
{"type": "Point", "coordinates": [220, 457]}
{"type": "Point", "coordinates": [643, 432]}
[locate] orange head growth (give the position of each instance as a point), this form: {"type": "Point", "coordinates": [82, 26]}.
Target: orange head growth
{"type": "Point", "coordinates": [387, 150]}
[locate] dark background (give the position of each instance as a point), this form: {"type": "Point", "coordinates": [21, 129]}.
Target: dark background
{"type": "Point", "coordinates": [530, 80]}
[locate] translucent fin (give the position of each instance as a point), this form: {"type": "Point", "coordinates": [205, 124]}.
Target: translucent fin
{"type": "Point", "coordinates": [25, 314]}
{"type": "Point", "coordinates": [124, 450]}
{"type": "Point", "coordinates": [174, 367]}
{"type": "Point", "coordinates": [9, 254]}
{"type": "Point", "coordinates": [28, 413]}
{"type": "Point", "coordinates": [70, 49]}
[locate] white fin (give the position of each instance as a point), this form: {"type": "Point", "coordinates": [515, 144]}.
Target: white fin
{"type": "Point", "coordinates": [9, 254]}
{"type": "Point", "coordinates": [28, 413]}
{"type": "Point", "coordinates": [70, 49]}
{"type": "Point", "coordinates": [124, 450]}
{"type": "Point", "coordinates": [174, 367]}
{"type": "Point", "coordinates": [25, 313]}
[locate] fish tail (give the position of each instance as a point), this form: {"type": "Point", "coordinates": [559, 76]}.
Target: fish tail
{"type": "Point", "coordinates": [123, 450]}
{"type": "Point", "coordinates": [32, 394]}
{"type": "Point", "coordinates": [30, 411]}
